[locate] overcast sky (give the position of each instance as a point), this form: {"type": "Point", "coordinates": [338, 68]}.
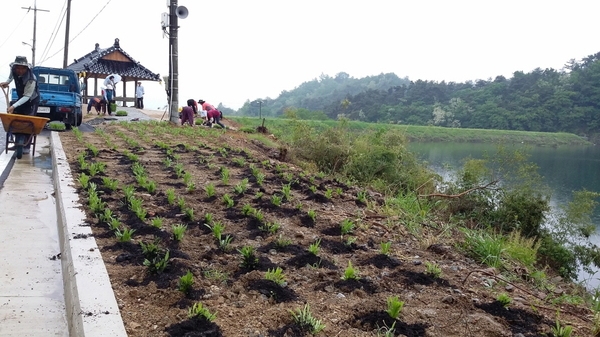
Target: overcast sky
{"type": "Point", "coordinates": [234, 50]}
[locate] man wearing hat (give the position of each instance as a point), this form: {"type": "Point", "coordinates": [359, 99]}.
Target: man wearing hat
{"type": "Point", "coordinates": [28, 92]}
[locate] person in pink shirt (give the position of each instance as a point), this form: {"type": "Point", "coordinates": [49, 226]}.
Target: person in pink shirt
{"type": "Point", "coordinates": [206, 106]}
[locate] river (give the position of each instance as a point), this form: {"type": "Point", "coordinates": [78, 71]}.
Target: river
{"type": "Point", "coordinates": [564, 169]}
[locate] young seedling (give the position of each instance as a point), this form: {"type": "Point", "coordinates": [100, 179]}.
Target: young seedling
{"type": "Point", "coordinates": [432, 268]}
{"type": "Point", "coordinates": [276, 275]}
{"type": "Point", "coordinates": [125, 235]}
{"type": "Point", "coordinates": [281, 242]}
{"type": "Point", "coordinates": [168, 162]}
{"type": "Point", "coordinates": [306, 321]}
{"type": "Point", "coordinates": [129, 192]}
{"type": "Point", "coordinates": [228, 201]}
{"type": "Point", "coordinates": [217, 229]}
{"type": "Point", "coordinates": [329, 194]}
{"type": "Point", "coordinates": [286, 191]}
{"type": "Point", "coordinates": [107, 216]}
{"type": "Point", "coordinates": [158, 264]}
{"type": "Point", "coordinates": [361, 196]}
{"type": "Point", "coordinates": [248, 210]}
{"type": "Point", "coordinates": [185, 283]}
{"type": "Point", "coordinates": [181, 203]}
{"type": "Point", "coordinates": [150, 250]}
{"type": "Point", "coordinates": [208, 219]}
{"type": "Point", "coordinates": [225, 175]}
{"type": "Point", "coordinates": [114, 224]}
{"type": "Point", "coordinates": [157, 222]}
{"type": "Point", "coordinates": [314, 247]}
{"type": "Point", "coordinates": [241, 187]}
{"type": "Point", "coordinates": [312, 214]}
{"type": "Point", "coordinates": [560, 330]}
{"type": "Point", "coordinates": [350, 240]}
{"type": "Point", "coordinates": [350, 273]}
{"type": "Point", "coordinates": [270, 227]}
{"type": "Point", "coordinates": [84, 180]}
{"type": "Point", "coordinates": [190, 187]}
{"type": "Point", "coordinates": [210, 190]}
{"type": "Point", "coordinates": [260, 178]}
{"type": "Point", "coordinates": [224, 243]}
{"type": "Point", "coordinates": [394, 306]}
{"type": "Point", "coordinates": [197, 311]}
{"type": "Point", "coordinates": [276, 200]}
{"type": "Point", "coordinates": [188, 213]}
{"type": "Point", "coordinates": [170, 196]}
{"type": "Point", "coordinates": [249, 258]}
{"type": "Point", "coordinates": [504, 299]}
{"type": "Point", "coordinates": [187, 178]}
{"type": "Point", "coordinates": [111, 184]}
{"type": "Point", "coordinates": [346, 227]}
{"type": "Point", "coordinates": [179, 231]}
{"type": "Point", "coordinates": [385, 248]}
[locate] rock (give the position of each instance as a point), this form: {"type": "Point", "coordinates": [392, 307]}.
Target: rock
{"type": "Point", "coordinates": [448, 299]}
{"type": "Point", "coordinates": [509, 288]}
{"type": "Point", "coordinates": [359, 293]}
{"type": "Point", "coordinates": [134, 325]}
{"type": "Point", "coordinates": [340, 295]}
{"type": "Point", "coordinates": [417, 262]}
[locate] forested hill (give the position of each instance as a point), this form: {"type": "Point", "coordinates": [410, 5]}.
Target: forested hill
{"type": "Point", "coordinates": [566, 100]}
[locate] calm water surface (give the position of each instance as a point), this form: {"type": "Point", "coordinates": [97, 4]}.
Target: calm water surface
{"type": "Point", "coordinates": [565, 169]}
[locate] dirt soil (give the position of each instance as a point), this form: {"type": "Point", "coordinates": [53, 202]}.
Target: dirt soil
{"type": "Point", "coordinates": [460, 302]}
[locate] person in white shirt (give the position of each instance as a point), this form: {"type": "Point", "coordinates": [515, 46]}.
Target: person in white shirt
{"type": "Point", "coordinates": [139, 96]}
{"type": "Point", "coordinates": [109, 83]}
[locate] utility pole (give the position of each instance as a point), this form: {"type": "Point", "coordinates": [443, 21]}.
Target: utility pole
{"type": "Point", "coordinates": [67, 27]}
{"type": "Point", "coordinates": [35, 10]}
{"type": "Point", "coordinates": [174, 63]}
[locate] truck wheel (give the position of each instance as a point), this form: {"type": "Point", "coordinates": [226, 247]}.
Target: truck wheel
{"type": "Point", "coordinates": [68, 126]}
{"type": "Point", "coordinates": [79, 118]}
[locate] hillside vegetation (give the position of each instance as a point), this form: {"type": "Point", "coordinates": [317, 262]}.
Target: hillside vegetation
{"type": "Point", "coordinates": [545, 100]}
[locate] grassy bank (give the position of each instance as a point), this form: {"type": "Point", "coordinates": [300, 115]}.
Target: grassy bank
{"type": "Point", "coordinates": [280, 128]}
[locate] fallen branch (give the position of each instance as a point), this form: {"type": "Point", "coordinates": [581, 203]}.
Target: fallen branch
{"type": "Point", "coordinates": [460, 194]}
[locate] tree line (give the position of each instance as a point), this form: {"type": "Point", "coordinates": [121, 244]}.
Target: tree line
{"type": "Point", "coordinates": [546, 100]}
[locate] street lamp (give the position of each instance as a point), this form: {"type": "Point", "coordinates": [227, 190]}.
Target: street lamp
{"type": "Point", "coordinates": [259, 102]}
{"type": "Point", "coordinates": [32, 53]}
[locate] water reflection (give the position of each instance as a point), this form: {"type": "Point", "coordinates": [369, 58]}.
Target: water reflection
{"type": "Point", "coordinates": [564, 170]}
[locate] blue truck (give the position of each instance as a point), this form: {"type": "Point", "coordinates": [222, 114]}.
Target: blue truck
{"type": "Point", "coordinates": [60, 95]}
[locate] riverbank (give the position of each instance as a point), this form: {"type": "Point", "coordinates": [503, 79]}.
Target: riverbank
{"type": "Point", "coordinates": [429, 133]}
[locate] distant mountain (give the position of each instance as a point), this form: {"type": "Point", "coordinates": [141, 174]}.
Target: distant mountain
{"type": "Point", "coordinates": [319, 93]}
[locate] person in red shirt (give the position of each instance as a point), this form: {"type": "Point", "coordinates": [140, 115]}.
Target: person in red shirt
{"type": "Point", "coordinates": [216, 116]}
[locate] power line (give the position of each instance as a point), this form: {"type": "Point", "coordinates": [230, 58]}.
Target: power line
{"type": "Point", "coordinates": [84, 28]}
{"type": "Point", "coordinates": [17, 27]}
{"type": "Point", "coordinates": [54, 32]}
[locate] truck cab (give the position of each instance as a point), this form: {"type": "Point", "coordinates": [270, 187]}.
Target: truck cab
{"type": "Point", "coordinates": [60, 95]}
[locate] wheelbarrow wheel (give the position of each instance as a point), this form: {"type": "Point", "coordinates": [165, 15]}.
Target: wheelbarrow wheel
{"type": "Point", "coordinates": [19, 150]}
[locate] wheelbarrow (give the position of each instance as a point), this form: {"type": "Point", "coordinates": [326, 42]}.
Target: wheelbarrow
{"type": "Point", "coordinates": [25, 130]}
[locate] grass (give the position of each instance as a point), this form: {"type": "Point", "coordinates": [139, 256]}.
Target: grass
{"type": "Point", "coordinates": [281, 128]}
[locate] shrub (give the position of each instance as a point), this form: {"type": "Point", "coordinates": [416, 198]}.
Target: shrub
{"type": "Point", "coordinates": [57, 126]}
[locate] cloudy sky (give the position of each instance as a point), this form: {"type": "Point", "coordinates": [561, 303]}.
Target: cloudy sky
{"type": "Point", "coordinates": [234, 50]}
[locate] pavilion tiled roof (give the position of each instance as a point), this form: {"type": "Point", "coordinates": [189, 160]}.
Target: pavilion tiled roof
{"type": "Point", "coordinates": [94, 64]}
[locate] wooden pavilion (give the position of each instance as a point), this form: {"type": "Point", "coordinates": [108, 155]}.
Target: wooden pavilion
{"type": "Point", "coordinates": [100, 63]}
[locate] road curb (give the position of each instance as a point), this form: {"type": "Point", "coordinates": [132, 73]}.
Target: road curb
{"type": "Point", "coordinates": [92, 309]}
{"type": "Point", "coordinates": [6, 163]}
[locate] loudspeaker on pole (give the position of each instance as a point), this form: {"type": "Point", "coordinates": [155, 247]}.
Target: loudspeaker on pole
{"type": "Point", "coordinates": [181, 12]}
